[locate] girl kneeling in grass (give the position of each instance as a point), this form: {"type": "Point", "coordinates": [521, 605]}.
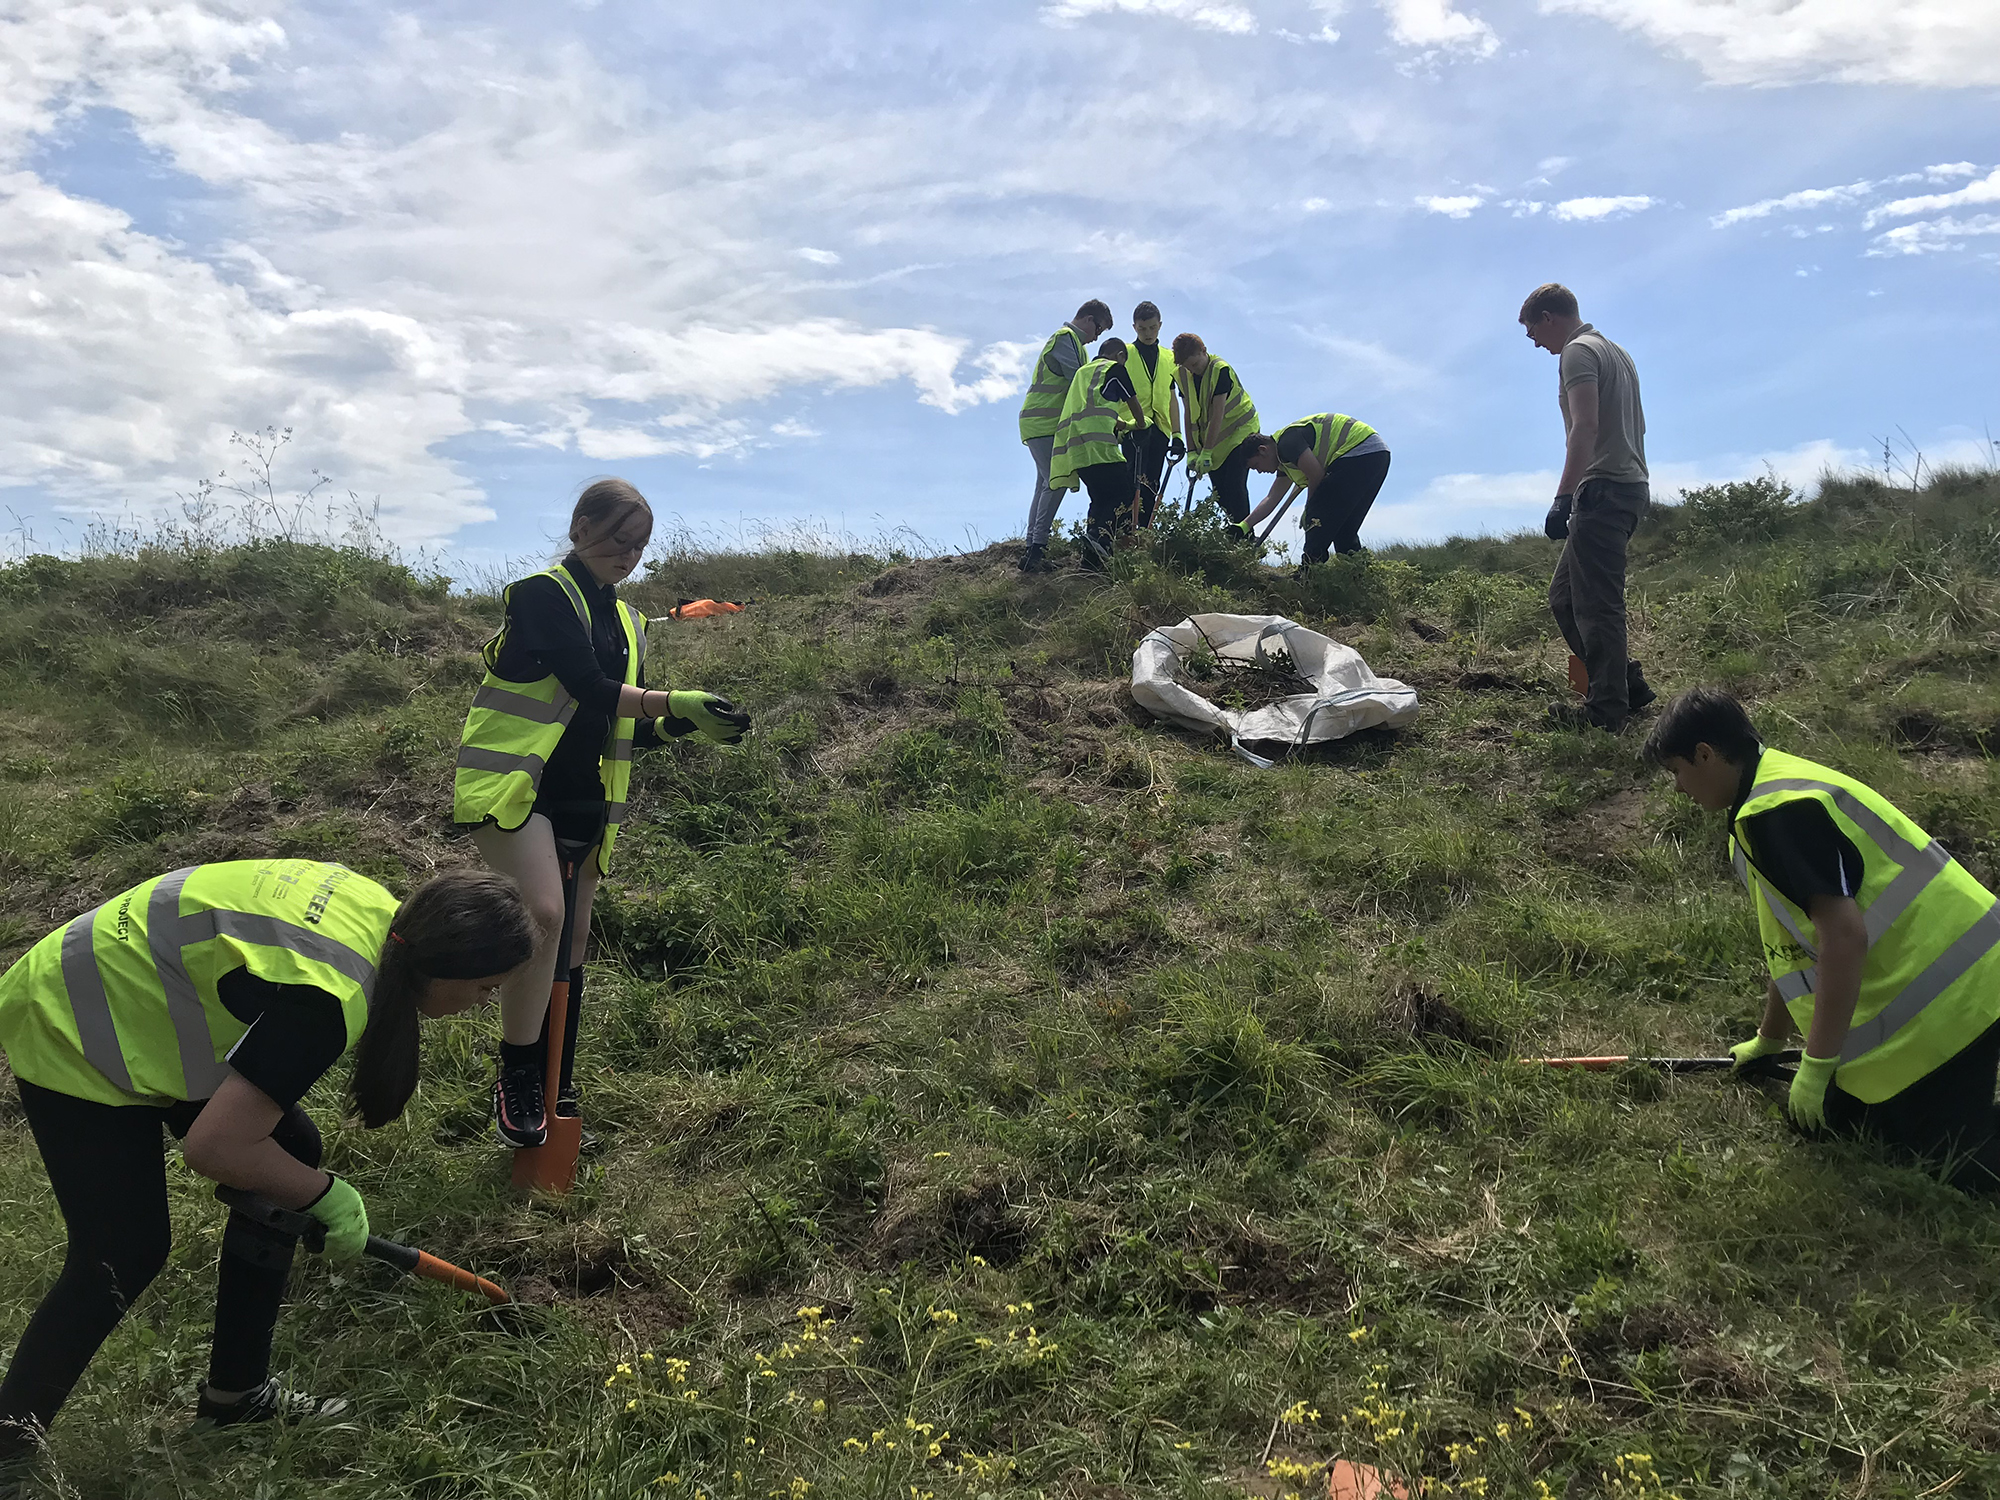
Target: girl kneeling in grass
{"type": "Point", "coordinates": [209, 1001]}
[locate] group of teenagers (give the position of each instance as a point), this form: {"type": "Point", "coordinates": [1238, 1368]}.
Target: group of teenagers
{"type": "Point", "coordinates": [207, 1002]}
{"type": "Point", "coordinates": [1113, 423]}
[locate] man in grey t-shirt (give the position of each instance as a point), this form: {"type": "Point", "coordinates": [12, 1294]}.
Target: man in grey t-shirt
{"type": "Point", "coordinates": [1599, 502]}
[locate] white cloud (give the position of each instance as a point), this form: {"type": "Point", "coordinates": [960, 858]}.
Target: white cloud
{"type": "Point", "coordinates": [819, 257]}
{"type": "Point", "coordinates": [1210, 15]}
{"type": "Point", "coordinates": [1986, 190]}
{"type": "Point", "coordinates": [1435, 25]}
{"type": "Point", "coordinates": [1362, 360]}
{"type": "Point", "coordinates": [1592, 210]}
{"type": "Point", "coordinates": [1459, 207]}
{"type": "Point", "coordinates": [1476, 504]}
{"type": "Point", "coordinates": [1804, 198]}
{"type": "Point", "coordinates": [1940, 43]}
{"type": "Point", "coordinates": [1524, 208]}
{"type": "Point", "coordinates": [1929, 236]}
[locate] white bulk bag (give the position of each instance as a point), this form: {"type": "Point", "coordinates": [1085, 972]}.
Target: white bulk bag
{"type": "Point", "coordinates": [1349, 696]}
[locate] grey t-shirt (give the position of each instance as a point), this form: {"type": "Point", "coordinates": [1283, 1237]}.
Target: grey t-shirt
{"type": "Point", "coordinates": [1065, 359]}
{"type": "Point", "coordinates": [1589, 358]}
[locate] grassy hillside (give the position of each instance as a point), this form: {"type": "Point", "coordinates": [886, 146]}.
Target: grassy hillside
{"type": "Point", "coordinates": [1001, 1096]}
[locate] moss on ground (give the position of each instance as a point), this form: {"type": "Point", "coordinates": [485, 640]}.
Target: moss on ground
{"type": "Point", "coordinates": [1003, 1096]}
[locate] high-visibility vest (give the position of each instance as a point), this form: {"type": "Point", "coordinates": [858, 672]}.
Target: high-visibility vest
{"type": "Point", "coordinates": [513, 728]}
{"type": "Point", "coordinates": [1156, 389]}
{"type": "Point", "coordinates": [1931, 980]}
{"type": "Point", "coordinates": [119, 1006]}
{"type": "Point", "coordinates": [1088, 432]}
{"type": "Point", "coordinates": [1239, 418]}
{"type": "Point", "coordinates": [1041, 408]}
{"type": "Point", "coordinates": [1333, 435]}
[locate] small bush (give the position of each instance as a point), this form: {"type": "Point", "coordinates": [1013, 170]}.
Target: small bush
{"type": "Point", "coordinates": [1744, 510]}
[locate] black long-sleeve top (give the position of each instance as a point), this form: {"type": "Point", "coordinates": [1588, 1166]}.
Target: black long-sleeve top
{"type": "Point", "coordinates": [542, 636]}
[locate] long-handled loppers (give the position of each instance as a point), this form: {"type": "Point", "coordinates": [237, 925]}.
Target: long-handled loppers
{"type": "Point", "coordinates": [1265, 535]}
{"type": "Point", "coordinates": [405, 1258]}
{"type": "Point", "coordinates": [1768, 1063]}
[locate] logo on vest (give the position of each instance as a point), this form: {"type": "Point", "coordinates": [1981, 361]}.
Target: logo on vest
{"type": "Point", "coordinates": [316, 907]}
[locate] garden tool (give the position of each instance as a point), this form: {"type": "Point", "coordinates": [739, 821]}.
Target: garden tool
{"type": "Point", "coordinates": [405, 1258]}
{"type": "Point", "coordinates": [552, 1165]}
{"type": "Point", "coordinates": [1769, 1063]}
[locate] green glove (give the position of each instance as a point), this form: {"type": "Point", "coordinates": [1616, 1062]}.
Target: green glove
{"type": "Point", "coordinates": [345, 1216]}
{"type": "Point", "coordinates": [1197, 464]}
{"type": "Point", "coordinates": [1748, 1052]}
{"type": "Point", "coordinates": [1808, 1096]}
{"type": "Point", "coordinates": [705, 716]}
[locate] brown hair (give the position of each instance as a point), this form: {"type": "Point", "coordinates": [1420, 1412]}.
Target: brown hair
{"type": "Point", "coordinates": [464, 924]}
{"type": "Point", "coordinates": [1144, 311]}
{"type": "Point", "coordinates": [1188, 343]}
{"type": "Point", "coordinates": [1549, 297]}
{"type": "Point", "coordinates": [1096, 309]}
{"type": "Point", "coordinates": [605, 505]}
{"type": "Point", "coordinates": [1112, 349]}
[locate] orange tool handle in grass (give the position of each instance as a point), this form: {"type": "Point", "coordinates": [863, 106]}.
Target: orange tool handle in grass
{"type": "Point", "coordinates": [405, 1258]}
{"type": "Point", "coordinates": [1672, 1064]}
{"type": "Point", "coordinates": [417, 1262]}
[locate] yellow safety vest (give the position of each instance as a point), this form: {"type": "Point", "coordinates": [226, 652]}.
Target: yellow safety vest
{"type": "Point", "coordinates": [1333, 435]}
{"type": "Point", "coordinates": [1041, 408]}
{"type": "Point", "coordinates": [513, 728]}
{"type": "Point", "coordinates": [1156, 390]}
{"type": "Point", "coordinates": [1088, 433]}
{"type": "Point", "coordinates": [1931, 980]}
{"type": "Point", "coordinates": [119, 1006]}
{"type": "Point", "coordinates": [1239, 418]}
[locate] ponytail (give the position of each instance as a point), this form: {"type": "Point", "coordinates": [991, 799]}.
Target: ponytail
{"type": "Point", "coordinates": [464, 924]}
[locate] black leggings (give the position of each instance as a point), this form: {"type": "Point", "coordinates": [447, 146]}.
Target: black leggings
{"type": "Point", "coordinates": [1149, 448]}
{"type": "Point", "coordinates": [108, 1169]}
{"type": "Point", "coordinates": [1945, 1119]}
{"type": "Point", "coordinates": [1231, 479]}
{"type": "Point", "coordinates": [1339, 504]}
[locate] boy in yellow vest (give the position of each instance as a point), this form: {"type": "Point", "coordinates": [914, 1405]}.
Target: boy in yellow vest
{"type": "Point", "coordinates": [1882, 949]}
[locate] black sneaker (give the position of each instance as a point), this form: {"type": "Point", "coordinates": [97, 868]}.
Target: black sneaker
{"type": "Point", "coordinates": [1638, 693]}
{"type": "Point", "coordinates": [1031, 558]}
{"type": "Point", "coordinates": [518, 1112]}
{"type": "Point", "coordinates": [270, 1402]}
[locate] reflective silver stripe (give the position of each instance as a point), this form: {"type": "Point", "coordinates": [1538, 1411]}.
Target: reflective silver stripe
{"type": "Point", "coordinates": [275, 932]}
{"type": "Point", "coordinates": [95, 1032]}
{"type": "Point", "coordinates": [523, 706]}
{"type": "Point", "coordinates": [621, 749]}
{"type": "Point", "coordinates": [614, 813]}
{"type": "Point", "coordinates": [1785, 919]}
{"type": "Point", "coordinates": [1945, 970]}
{"type": "Point", "coordinates": [1798, 984]}
{"type": "Point", "coordinates": [1741, 864]}
{"type": "Point", "coordinates": [576, 599]}
{"type": "Point", "coordinates": [1892, 843]}
{"type": "Point", "coordinates": [1919, 866]}
{"type": "Point", "coordinates": [473, 758]}
{"type": "Point", "coordinates": [201, 1073]}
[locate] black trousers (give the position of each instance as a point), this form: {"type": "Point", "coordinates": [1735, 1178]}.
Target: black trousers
{"type": "Point", "coordinates": [1110, 487]}
{"type": "Point", "coordinates": [108, 1169]}
{"type": "Point", "coordinates": [1946, 1119]}
{"type": "Point", "coordinates": [1587, 594]}
{"type": "Point", "coordinates": [1149, 450]}
{"type": "Point", "coordinates": [1340, 502]}
{"type": "Point", "coordinates": [1231, 480]}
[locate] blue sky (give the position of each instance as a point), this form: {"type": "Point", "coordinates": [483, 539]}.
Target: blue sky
{"type": "Point", "coordinates": [783, 265]}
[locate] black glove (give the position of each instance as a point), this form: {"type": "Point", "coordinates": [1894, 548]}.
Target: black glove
{"type": "Point", "coordinates": [1176, 450]}
{"type": "Point", "coordinates": [1556, 527]}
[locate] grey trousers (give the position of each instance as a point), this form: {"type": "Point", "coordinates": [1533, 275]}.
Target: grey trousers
{"type": "Point", "coordinates": [1042, 509]}
{"type": "Point", "coordinates": [1587, 594]}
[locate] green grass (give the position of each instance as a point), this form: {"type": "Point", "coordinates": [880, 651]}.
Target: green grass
{"type": "Point", "coordinates": [956, 1004]}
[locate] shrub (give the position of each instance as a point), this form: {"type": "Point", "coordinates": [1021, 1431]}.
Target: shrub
{"type": "Point", "coordinates": [1742, 511]}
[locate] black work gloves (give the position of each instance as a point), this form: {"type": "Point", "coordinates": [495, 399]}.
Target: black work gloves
{"type": "Point", "coordinates": [1556, 527]}
{"type": "Point", "coordinates": [1176, 449]}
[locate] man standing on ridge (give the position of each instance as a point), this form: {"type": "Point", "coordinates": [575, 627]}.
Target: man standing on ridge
{"type": "Point", "coordinates": [1340, 461]}
{"type": "Point", "coordinates": [1152, 372]}
{"type": "Point", "coordinates": [1882, 949]}
{"type": "Point", "coordinates": [1102, 406]}
{"type": "Point", "coordinates": [1061, 357]}
{"type": "Point", "coordinates": [1221, 425]}
{"type": "Point", "coordinates": [1600, 500]}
